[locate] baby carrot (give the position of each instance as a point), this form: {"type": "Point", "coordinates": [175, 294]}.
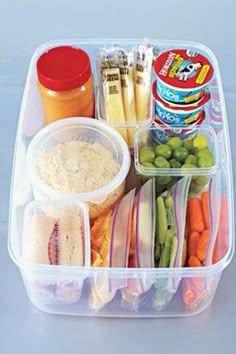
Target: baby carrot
{"type": "Point", "coordinates": [214, 256]}
{"type": "Point", "coordinates": [202, 245]}
{"type": "Point", "coordinates": [205, 209]}
{"type": "Point", "coordinates": [193, 261]}
{"type": "Point", "coordinates": [192, 243]}
{"type": "Point", "coordinates": [196, 221]}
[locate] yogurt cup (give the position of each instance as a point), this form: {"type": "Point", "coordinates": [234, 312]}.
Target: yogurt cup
{"type": "Point", "coordinates": [176, 114]}
{"type": "Point", "coordinates": [164, 132]}
{"type": "Point", "coordinates": [182, 75]}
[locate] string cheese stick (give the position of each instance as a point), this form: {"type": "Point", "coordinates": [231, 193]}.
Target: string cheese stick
{"type": "Point", "coordinates": [113, 102]}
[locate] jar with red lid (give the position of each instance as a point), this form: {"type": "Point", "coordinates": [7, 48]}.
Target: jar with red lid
{"type": "Point", "coordinates": [65, 83]}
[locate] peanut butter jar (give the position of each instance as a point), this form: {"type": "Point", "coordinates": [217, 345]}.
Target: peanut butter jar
{"type": "Point", "coordinates": [65, 83]}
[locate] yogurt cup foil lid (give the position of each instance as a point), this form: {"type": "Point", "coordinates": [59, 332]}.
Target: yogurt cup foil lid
{"type": "Point", "coordinates": [183, 69]}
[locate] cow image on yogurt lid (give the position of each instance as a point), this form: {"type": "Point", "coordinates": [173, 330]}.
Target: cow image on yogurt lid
{"type": "Point", "coordinates": [182, 75]}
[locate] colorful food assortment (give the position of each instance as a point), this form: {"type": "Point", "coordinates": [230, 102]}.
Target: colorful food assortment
{"type": "Point", "coordinates": [145, 243]}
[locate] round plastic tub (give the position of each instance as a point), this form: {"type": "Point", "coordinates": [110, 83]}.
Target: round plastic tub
{"type": "Point", "coordinates": [90, 132]}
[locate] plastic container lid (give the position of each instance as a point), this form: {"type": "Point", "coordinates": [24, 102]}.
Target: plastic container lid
{"type": "Point", "coordinates": [183, 69]}
{"type": "Point", "coordinates": [63, 68]}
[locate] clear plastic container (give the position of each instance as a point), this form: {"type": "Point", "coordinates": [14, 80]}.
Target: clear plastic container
{"type": "Point", "coordinates": [44, 215]}
{"type": "Point", "coordinates": [149, 137]}
{"type": "Point", "coordinates": [85, 131]}
{"type": "Point", "coordinates": [48, 275]}
{"type": "Point", "coordinates": [51, 236]}
{"type": "Point", "coordinates": [129, 128]}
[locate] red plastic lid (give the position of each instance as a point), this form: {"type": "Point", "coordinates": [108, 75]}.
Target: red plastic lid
{"type": "Point", "coordinates": [184, 69]}
{"type": "Point", "coordinates": [63, 68]}
{"type": "Point", "coordinates": [179, 107]}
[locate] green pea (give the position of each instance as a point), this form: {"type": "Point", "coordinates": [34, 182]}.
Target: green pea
{"type": "Point", "coordinates": [174, 163]}
{"type": "Point", "coordinates": [180, 154]}
{"type": "Point", "coordinates": [159, 188]}
{"type": "Point", "coordinates": [204, 152]}
{"type": "Point", "coordinates": [188, 144]}
{"type": "Point", "coordinates": [191, 159]}
{"type": "Point", "coordinates": [146, 155]}
{"type": "Point", "coordinates": [144, 148]}
{"type": "Point", "coordinates": [195, 189]}
{"type": "Point", "coordinates": [161, 162]}
{"type": "Point", "coordinates": [163, 180]}
{"type": "Point", "coordinates": [188, 165]}
{"type": "Point", "coordinates": [163, 150]}
{"type": "Point", "coordinates": [206, 161]}
{"type": "Point", "coordinates": [200, 142]}
{"type": "Point", "coordinates": [202, 180]}
{"type": "Point", "coordinates": [148, 164]}
{"type": "Point", "coordinates": [174, 142]}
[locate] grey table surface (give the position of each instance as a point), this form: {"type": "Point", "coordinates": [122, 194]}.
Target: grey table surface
{"type": "Point", "coordinates": [24, 25]}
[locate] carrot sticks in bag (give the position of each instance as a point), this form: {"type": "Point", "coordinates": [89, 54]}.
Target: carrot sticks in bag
{"type": "Point", "coordinates": [201, 242]}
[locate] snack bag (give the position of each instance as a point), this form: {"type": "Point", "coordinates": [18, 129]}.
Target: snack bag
{"type": "Point", "coordinates": [142, 245]}
{"type": "Point", "coordinates": [169, 243]}
{"type": "Point", "coordinates": [203, 222]}
{"type": "Point", "coordinates": [110, 239]}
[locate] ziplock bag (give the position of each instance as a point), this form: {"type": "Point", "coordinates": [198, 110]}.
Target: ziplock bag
{"type": "Point", "coordinates": [110, 239]}
{"type": "Point", "coordinates": [201, 242]}
{"type": "Point", "coordinates": [142, 245]}
{"type": "Point", "coordinates": [169, 244]}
